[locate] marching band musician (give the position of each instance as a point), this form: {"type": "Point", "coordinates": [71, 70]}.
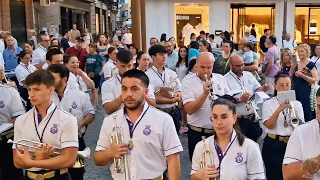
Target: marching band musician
{"type": "Point", "coordinates": [23, 69]}
{"type": "Point", "coordinates": [233, 156]}
{"type": "Point", "coordinates": [197, 100]}
{"type": "Point", "coordinates": [48, 124]}
{"type": "Point", "coordinates": [10, 108]}
{"type": "Point", "coordinates": [244, 81]}
{"type": "Point", "coordinates": [149, 132]}
{"type": "Point", "coordinates": [76, 103]}
{"type": "Point", "coordinates": [276, 118]}
{"type": "Point", "coordinates": [160, 76]}
{"type": "Point", "coordinates": [302, 157]}
{"type": "Point", "coordinates": [111, 88]}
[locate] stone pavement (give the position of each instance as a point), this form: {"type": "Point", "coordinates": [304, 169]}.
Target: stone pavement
{"type": "Point", "coordinates": [94, 172]}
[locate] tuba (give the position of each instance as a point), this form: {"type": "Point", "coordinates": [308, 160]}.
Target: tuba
{"type": "Point", "coordinates": [206, 156]}
{"type": "Point", "coordinates": [294, 121]}
{"type": "Point", "coordinates": [82, 156]}
{"type": "Point", "coordinates": [120, 164]}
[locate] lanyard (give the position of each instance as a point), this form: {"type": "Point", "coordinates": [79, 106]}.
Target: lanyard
{"type": "Point", "coordinates": [284, 114]}
{"type": "Point", "coordinates": [220, 153]}
{"type": "Point", "coordinates": [160, 75]}
{"type": "Point", "coordinates": [131, 129]}
{"type": "Point", "coordinates": [35, 125]}
{"type": "Point", "coordinates": [240, 83]}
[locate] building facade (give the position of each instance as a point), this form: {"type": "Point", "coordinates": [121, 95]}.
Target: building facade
{"type": "Point", "coordinates": [214, 16]}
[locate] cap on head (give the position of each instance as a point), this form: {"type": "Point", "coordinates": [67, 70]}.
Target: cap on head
{"type": "Point", "coordinates": [79, 38]}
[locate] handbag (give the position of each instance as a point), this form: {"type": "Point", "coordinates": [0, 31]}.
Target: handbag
{"type": "Point", "coordinates": [92, 74]}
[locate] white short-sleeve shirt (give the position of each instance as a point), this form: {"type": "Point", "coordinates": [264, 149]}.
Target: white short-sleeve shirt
{"type": "Point", "coordinates": [111, 90]}
{"type": "Point", "coordinates": [107, 68]}
{"type": "Point", "coordinates": [73, 82]}
{"type": "Point", "coordinates": [154, 138]}
{"type": "Point", "coordinates": [39, 55]}
{"type": "Point", "coordinates": [238, 162]}
{"type": "Point", "coordinates": [76, 103]}
{"type": "Point", "coordinates": [10, 104]}
{"type": "Point", "coordinates": [270, 106]}
{"type": "Point", "coordinates": [303, 144]}
{"type": "Point", "coordinates": [22, 71]}
{"type": "Point", "coordinates": [61, 130]}
{"type": "Point", "coordinates": [160, 79]}
{"type": "Point", "coordinates": [246, 82]}
{"type": "Point", "coordinates": [192, 88]}
{"type": "Point", "coordinates": [316, 60]}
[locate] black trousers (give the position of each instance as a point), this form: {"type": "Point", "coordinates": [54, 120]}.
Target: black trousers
{"type": "Point", "coordinates": [272, 153]}
{"type": "Point", "coordinates": [65, 176]}
{"type": "Point", "coordinates": [77, 173]}
{"type": "Point", "coordinates": [7, 169]}
{"type": "Point", "coordinates": [25, 96]}
{"type": "Point", "coordinates": [193, 138]}
{"type": "Point", "coordinates": [250, 129]}
{"type": "Point", "coordinates": [176, 116]}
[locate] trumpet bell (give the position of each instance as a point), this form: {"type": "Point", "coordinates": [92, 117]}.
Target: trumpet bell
{"type": "Point", "coordinates": [295, 122]}
{"type": "Point", "coordinates": [82, 158]}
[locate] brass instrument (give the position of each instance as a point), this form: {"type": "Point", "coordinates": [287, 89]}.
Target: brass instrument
{"type": "Point", "coordinates": [168, 87]}
{"type": "Point", "coordinates": [114, 71]}
{"type": "Point", "coordinates": [294, 121]}
{"type": "Point", "coordinates": [211, 95]}
{"type": "Point", "coordinates": [82, 156]}
{"type": "Point", "coordinates": [120, 164]}
{"type": "Point", "coordinates": [249, 104]}
{"type": "Point", "coordinates": [206, 157]}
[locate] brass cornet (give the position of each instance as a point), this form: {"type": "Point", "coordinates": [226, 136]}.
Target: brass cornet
{"type": "Point", "coordinates": [249, 104]}
{"type": "Point", "coordinates": [211, 95]}
{"type": "Point", "coordinates": [206, 157]}
{"type": "Point", "coordinates": [169, 86]}
{"type": "Point", "coordinates": [120, 164]}
{"type": "Point", "coordinates": [82, 156]}
{"type": "Point", "coordinates": [294, 121]}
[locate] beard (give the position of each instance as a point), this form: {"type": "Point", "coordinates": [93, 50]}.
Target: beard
{"type": "Point", "coordinates": [134, 106]}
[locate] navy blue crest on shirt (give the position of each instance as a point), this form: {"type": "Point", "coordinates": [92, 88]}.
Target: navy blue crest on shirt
{"type": "Point", "coordinates": [54, 129]}
{"type": "Point", "coordinates": [147, 130]}
{"type": "Point", "coordinates": [2, 105]}
{"type": "Point", "coordinates": [239, 158]}
{"type": "Point", "coordinates": [74, 105]}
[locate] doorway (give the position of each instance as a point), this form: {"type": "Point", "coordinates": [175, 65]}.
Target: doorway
{"type": "Point", "coordinates": [18, 20]}
{"type": "Point", "coordinates": [244, 16]}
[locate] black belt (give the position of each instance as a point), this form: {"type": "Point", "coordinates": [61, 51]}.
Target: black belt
{"type": "Point", "coordinates": [248, 117]}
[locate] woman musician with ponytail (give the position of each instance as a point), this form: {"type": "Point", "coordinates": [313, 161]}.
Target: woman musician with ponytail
{"type": "Point", "coordinates": [234, 156]}
{"type": "Point", "coordinates": [277, 118]}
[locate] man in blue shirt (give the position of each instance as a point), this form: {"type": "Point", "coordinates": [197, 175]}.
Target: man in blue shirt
{"type": "Point", "coordinates": [172, 56]}
{"type": "Point", "coordinates": [10, 55]}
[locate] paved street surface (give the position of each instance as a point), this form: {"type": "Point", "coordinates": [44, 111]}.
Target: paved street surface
{"type": "Point", "coordinates": [94, 172]}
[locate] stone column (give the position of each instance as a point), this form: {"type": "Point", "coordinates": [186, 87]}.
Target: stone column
{"type": "Point", "coordinates": [136, 23]}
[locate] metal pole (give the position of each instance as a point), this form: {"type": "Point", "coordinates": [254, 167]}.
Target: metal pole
{"type": "Point", "coordinates": [284, 30]}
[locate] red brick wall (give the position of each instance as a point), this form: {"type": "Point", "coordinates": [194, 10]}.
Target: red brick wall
{"type": "Point", "coordinates": [5, 15]}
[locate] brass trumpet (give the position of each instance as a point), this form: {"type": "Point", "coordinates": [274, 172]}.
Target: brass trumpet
{"type": "Point", "coordinates": [120, 164]}
{"type": "Point", "coordinates": [211, 95]}
{"type": "Point", "coordinates": [169, 86]}
{"type": "Point", "coordinates": [82, 156]}
{"type": "Point", "coordinates": [206, 157]}
{"type": "Point", "coordinates": [249, 104]}
{"type": "Point", "coordinates": [294, 121]}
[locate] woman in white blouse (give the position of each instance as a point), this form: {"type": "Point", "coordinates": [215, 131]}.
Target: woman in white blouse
{"type": "Point", "coordinates": [276, 118]}
{"type": "Point", "coordinates": [182, 64]}
{"type": "Point", "coordinates": [23, 69]}
{"type": "Point", "coordinates": [142, 61]}
{"type": "Point", "coordinates": [234, 156]}
{"type": "Point", "coordinates": [316, 59]}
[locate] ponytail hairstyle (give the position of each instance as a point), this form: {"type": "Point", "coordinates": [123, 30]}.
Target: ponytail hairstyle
{"type": "Point", "coordinates": [230, 102]}
{"type": "Point", "coordinates": [280, 74]}
{"type": "Point", "coordinates": [110, 50]}
{"type": "Point", "coordinates": [21, 56]}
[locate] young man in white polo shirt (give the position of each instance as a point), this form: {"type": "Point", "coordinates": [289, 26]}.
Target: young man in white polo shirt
{"type": "Point", "coordinates": [111, 88]}
{"type": "Point", "coordinates": [302, 157]}
{"type": "Point", "coordinates": [245, 83]}
{"type": "Point", "coordinates": [76, 103]}
{"type": "Point", "coordinates": [161, 76]}
{"type": "Point", "coordinates": [45, 123]}
{"type": "Point", "coordinates": [155, 143]}
{"type": "Point", "coordinates": [39, 55]}
{"type": "Point", "coordinates": [10, 108]}
{"type": "Point", "coordinates": [197, 95]}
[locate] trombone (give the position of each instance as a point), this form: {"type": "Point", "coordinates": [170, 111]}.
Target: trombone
{"type": "Point", "coordinates": [206, 157]}
{"type": "Point", "coordinates": [120, 164]}
{"type": "Point", "coordinates": [82, 156]}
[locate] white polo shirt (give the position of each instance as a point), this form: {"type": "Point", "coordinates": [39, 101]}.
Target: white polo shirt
{"type": "Point", "coordinates": [73, 82]}
{"type": "Point", "coordinates": [154, 138]}
{"type": "Point", "coordinates": [291, 44]}
{"type": "Point", "coordinates": [303, 144]}
{"type": "Point", "coordinates": [10, 104]}
{"type": "Point", "coordinates": [59, 128]}
{"type": "Point", "coordinates": [22, 71]}
{"type": "Point", "coordinates": [246, 81]}
{"type": "Point", "coordinates": [111, 90]}
{"type": "Point", "coordinates": [192, 88]}
{"type": "Point", "coordinates": [76, 103]}
{"type": "Point", "coordinates": [238, 162]}
{"type": "Point", "coordinates": [270, 106]}
{"type": "Point", "coordinates": [107, 68]}
{"type": "Point", "coordinates": [160, 79]}
{"type": "Point", "coordinates": [39, 55]}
